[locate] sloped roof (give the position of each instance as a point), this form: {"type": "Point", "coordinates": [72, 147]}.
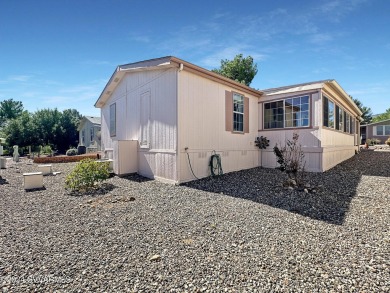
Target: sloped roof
{"type": "Point", "coordinates": [94, 120]}
{"type": "Point", "coordinates": [166, 62]}
{"type": "Point", "coordinates": [297, 87]}
{"type": "Point", "coordinates": [332, 83]}
{"type": "Point", "coordinates": [387, 120]}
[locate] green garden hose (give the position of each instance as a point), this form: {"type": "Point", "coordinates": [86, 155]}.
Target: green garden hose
{"type": "Point", "coordinates": [215, 164]}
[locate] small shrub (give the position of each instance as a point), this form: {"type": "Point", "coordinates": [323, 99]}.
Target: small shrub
{"type": "Point", "coordinates": [388, 141]}
{"type": "Point", "coordinates": [46, 149]}
{"type": "Point", "coordinates": [291, 161]}
{"type": "Point", "coordinates": [261, 142]}
{"type": "Point", "coordinates": [71, 152]}
{"type": "Point", "coordinates": [373, 141]}
{"type": "Point", "coordinates": [87, 175]}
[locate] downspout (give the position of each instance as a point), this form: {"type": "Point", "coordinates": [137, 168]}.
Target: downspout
{"type": "Point", "coordinates": [181, 66]}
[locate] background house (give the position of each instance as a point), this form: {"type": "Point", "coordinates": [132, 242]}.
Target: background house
{"type": "Point", "coordinates": [378, 130]}
{"type": "Point", "coordinates": [89, 133]}
{"type": "Point", "coordinates": [163, 117]}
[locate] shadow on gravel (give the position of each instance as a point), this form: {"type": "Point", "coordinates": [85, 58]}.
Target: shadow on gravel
{"type": "Point", "coordinates": [330, 203]}
{"type": "Point", "coordinates": [3, 181]}
{"type": "Point", "coordinates": [103, 189]}
{"type": "Point", "coordinates": [136, 178]}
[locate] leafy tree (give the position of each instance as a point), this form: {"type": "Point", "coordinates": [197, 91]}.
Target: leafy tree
{"type": "Point", "coordinates": [10, 109]}
{"type": "Point", "coordinates": [45, 127]}
{"type": "Point", "coordinates": [383, 116]}
{"type": "Point", "coordinates": [20, 131]}
{"type": "Point", "coordinates": [70, 120]}
{"type": "Point", "coordinates": [239, 69]}
{"type": "Point", "coordinates": [367, 113]}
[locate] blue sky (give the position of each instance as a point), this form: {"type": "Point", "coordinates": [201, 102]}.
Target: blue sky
{"type": "Point", "coordinates": [62, 53]}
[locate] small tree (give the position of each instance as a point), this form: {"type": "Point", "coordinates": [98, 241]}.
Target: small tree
{"type": "Point", "coordinates": [86, 175]}
{"type": "Point", "coordinates": [291, 160]}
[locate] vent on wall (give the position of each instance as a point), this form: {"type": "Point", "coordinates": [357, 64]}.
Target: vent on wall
{"type": "Point", "coordinates": [243, 153]}
{"type": "Point", "coordinates": [116, 79]}
{"type": "Point", "coordinates": [109, 92]}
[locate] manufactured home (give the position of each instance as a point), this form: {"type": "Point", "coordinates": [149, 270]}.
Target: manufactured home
{"type": "Point", "coordinates": [89, 133]}
{"type": "Point", "coordinates": [164, 118]}
{"type": "Point", "coordinates": [378, 130]}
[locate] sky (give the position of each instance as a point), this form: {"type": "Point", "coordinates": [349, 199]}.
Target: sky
{"type": "Point", "coordinates": [60, 54]}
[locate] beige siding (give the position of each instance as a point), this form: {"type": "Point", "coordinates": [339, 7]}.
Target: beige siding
{"type": "Point", "coordinates": [202, 128]}
{"type": "Point", "coordinates": [161, 84]}
{"type": "Point", "coordinates": [335, 138]}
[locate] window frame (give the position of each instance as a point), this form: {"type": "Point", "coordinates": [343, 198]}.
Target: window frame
{"type": "Point", "coordinates": [383, 127]}
{"type": "Point", "coordinates": [328, 102]}
{"type": "Point", "coordinates": [83, 137]}
{"type": "Point", "coordinates": [112, 121]}
{"type": "Point", "coordinates": [92, 133]}
{"type": "Point", "coordinates": [235, 113]}
{"type": "Point", "coordinates": [292, 113]}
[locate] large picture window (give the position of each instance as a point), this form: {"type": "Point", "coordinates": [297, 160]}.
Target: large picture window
{"type": "Point", "coordinates": [238, 112]}
{"type": "Point", "coordinates": [288, 113]}
{"type": "Point", "coordinates": [382, 130]}
{"type": "Point", "coordinates": [113, 119]}
{"type": "Point", "coordinates": [328, 110]}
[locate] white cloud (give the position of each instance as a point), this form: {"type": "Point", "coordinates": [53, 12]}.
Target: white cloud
{"type": "Point", "coordinates": [17, 78]}
{"type": "Point", "coordinates": [321, 38]}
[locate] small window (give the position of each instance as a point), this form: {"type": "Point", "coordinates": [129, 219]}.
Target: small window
{"type": "Point", "coordinates": [328, 112]}
{"type": "Point", "coordinates": [387, 129]}
{"type": "Point", "coordinates": [352, 125]}
{"type": "Point", "coordinates": [238, 113]}
{"type": "Point", "coordinates": [341, 119]}
{"type": "Point", "coordinates": [82, 137]}
{"type": "Point", "coordinates": [113, 120]}
{"type": "Point", "coordinates": [346, 123]}
{"type": "Point", "coordinates": [92, 134]}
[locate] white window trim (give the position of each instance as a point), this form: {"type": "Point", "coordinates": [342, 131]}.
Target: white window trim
{"type": "Point", "coordinates": [240, 113]}
{"type": "Point", "coordinates": [112, 133]}
{"type": "Point", "coordinates": [383, 130]}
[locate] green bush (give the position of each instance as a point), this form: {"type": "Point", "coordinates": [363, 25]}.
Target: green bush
{"type": "Point", "coordinates": [87, 175]}
{"type": "Point", "coordinates": [71, 152]}
{"type": "Point", "coordinates": [46, 149]}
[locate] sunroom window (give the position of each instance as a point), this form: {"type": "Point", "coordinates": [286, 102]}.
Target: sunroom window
{"type": "Point", "coordinates": [288, 113]}
{"type": "Point", "coordinates": [328, 111]}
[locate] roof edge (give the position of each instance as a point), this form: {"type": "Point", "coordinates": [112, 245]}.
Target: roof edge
{"type": "Point", "coordinates": [175, 62]}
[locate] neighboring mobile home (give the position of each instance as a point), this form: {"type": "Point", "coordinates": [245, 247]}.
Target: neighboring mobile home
{"type": "Point", "coordinates": [89, 133]}
{"type": "Point", "coordinates": [164, 116]}
{"type": "Point", "coordinates": [378, 130]}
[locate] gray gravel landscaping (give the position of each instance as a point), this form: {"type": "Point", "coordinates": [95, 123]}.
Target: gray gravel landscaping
{"type": "Point", "coordinates": [241, 232]}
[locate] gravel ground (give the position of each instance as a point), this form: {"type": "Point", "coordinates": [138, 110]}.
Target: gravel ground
{"type": "Point", "coordinates": [211, 235]}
